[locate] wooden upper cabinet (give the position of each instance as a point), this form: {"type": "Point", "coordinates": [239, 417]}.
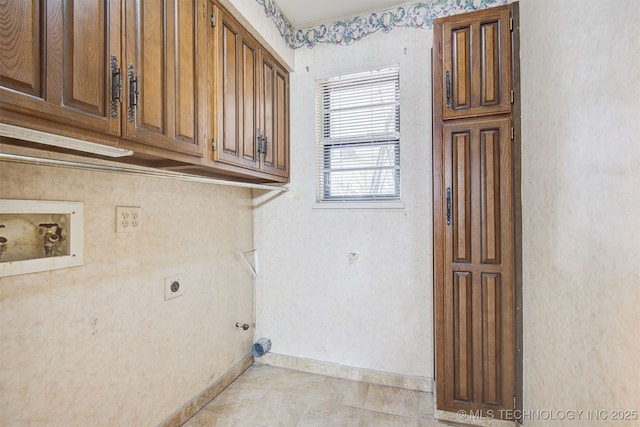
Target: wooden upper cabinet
{"type": "Point", "coordinates": [165, 88]}
{"type": "Point", "coordinates": [274, 117]}
{"type": "Point", "coordinates": [236, 92]}
{"type": "Point", "coordinates": [474, 63]}
{"type": "Point", "coordinates": [57, 62]}
{"type": "Point", "coordinates": [251, 101]}
{"type": "Point", "coordinates": [168, 79]}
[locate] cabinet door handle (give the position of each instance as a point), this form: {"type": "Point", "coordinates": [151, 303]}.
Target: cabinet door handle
{"type": "Point", "coordinates": [133, 93]}
{"type": "Point", "coordinates": [259, 140]}
{"type": "Point", "coordinates": [116, 86]}
{"type": "Point", "coordinates": [264, 147]}
{"type": "Point", "coordinates": [448, 205]}
{"type": "Point", "coordinates": [447, 83]}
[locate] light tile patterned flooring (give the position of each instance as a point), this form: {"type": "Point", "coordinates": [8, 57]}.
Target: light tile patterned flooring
{"type": "Point", "coordinates": [269, 396]}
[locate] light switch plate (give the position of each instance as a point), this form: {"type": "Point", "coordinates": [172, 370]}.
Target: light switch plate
{"type": "Point", "coordinates": [128, 219]}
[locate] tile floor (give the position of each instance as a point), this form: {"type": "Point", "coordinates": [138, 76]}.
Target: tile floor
{"type": "Point", "coordinates": [268, 396]}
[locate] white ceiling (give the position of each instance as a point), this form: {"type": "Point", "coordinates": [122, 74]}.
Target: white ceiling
{"type": "Point", "coordinates": [304, 13]}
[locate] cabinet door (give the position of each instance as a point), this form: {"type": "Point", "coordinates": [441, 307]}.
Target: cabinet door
{"type": "Point", "coordinates": [274, 117]}
{"type": "Point", "coordinates": [236, 91]}
{"type": "Point", "coordinates": [22, 64]}
{"type": "Point", "coordinates": [474, 217]}
{"type": "Point", "coordinates": [164, 43]}
{"type": "Point", "coordinates": [475, 64]}
{"type": "Point", "coordinates": [57, 62]}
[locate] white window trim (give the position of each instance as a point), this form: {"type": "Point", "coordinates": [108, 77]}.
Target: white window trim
{"type": "Point", "coordinates": [382, 205]}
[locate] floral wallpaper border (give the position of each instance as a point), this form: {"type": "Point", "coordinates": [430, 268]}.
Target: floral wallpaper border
{"type": "Point", "coordinates": [350, 30]}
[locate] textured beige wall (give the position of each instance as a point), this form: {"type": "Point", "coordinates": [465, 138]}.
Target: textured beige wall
{"type": "Point", "coordinates": [97, 344]}
{"type": "Point", "coordinates": [375, 313]}
{"type": "Point", "coordinates": [581, 203]}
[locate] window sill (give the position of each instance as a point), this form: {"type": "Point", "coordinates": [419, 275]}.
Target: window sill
{"type": "Point", "coordinates": [395, 205]}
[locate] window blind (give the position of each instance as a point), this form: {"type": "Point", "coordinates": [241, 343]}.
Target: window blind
{"type": "Point", "coordinates": [358, 136]}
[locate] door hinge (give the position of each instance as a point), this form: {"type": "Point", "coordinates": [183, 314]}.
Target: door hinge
{"type": "Point", "coordinates": [512, 96]}
{"type": "Point", "coordinates": [510, 24]}
{"type": "Point", "coordinates": [213, 144]}
{"type": "Point", "coordinates": [214, 19]}
{"type": "Point", "coordinates": [265, 146]}
{"type": "Point", "coordinates": [513, 133]}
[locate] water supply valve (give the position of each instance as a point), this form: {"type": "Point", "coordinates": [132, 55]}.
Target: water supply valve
{"type": "Point", "coordinates": [244, 326]}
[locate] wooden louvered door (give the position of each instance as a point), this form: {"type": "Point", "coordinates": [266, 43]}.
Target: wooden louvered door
{"type": "Point", "coordinates": [478, 285]}
{"type": "Point", "coordinates": [476, 223]}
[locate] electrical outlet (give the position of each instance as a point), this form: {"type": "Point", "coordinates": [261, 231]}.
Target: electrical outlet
{"type": "Point", "coordinates": [128, 219]}
{"type": "Point", "coordinates": [173, 287]}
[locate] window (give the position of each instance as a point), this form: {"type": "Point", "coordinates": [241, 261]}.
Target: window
{"type": "Point", "coordinates": [358, 136]}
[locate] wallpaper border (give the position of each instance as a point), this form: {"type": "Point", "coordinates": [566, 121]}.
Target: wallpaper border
{"type": "Point", "coordinates": [350, 30]}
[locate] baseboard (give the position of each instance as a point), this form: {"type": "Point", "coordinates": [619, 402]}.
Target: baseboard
{"type": "Point", "coordinates": [347, 372]}
{"type": "Point", "coordinates": [200, 401]}
{"type": "Point", "coordinates": [466, 419]}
